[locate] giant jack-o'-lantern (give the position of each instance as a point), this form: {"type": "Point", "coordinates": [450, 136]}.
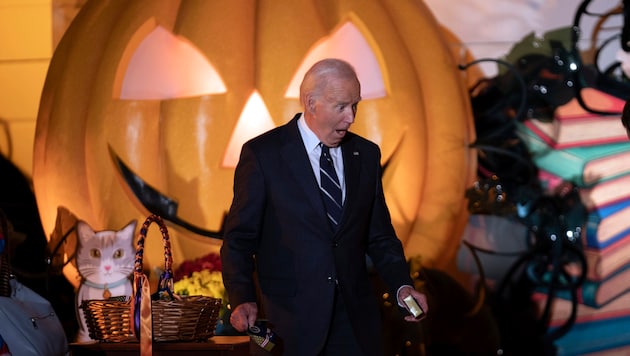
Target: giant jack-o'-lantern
{"type": "Point", "coordinates": [147, 103]}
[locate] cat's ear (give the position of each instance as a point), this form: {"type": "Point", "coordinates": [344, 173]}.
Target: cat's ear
{"type": "Point", "coordinates": [84, 231]}
{"type": "Point", "coordinates": [129, 230]}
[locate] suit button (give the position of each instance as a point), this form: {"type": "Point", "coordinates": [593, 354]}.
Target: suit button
{"type": "Point", "coordinates": [330, 280]}
{"type": "Point", "coordinates": [335, 244]}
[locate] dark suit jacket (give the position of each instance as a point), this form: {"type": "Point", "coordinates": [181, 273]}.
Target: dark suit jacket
{"type": "Point", "coordinates": [278, 218]}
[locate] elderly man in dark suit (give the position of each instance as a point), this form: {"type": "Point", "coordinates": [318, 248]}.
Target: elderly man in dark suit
{"type": "Point", "coordinates": [301, 232]}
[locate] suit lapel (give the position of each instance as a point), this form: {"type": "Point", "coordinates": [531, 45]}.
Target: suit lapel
{"type": "Point", "coordinates": [295, 156]}
{"type": "Point", "coordinates": [352, 169]}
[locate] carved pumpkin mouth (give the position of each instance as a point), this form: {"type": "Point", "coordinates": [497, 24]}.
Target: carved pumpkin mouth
{"type": "Point", "coordinates": [160, 204]}
{"type": "Point", "coordinates": [157, 202]}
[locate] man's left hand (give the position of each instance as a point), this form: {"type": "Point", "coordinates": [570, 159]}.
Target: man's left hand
{"type": "Point", "coordinates": [420, 298]}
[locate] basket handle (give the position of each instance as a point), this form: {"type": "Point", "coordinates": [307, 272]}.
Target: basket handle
{"type": "Point", "coordinates": [141, 318]}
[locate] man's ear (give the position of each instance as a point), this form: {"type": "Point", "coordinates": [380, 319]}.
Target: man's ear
{"type": "Point", "coordinates": [310, 104]}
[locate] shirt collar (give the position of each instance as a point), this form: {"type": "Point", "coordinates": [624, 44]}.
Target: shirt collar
{"type": "Point", "coordinates": [309, 138]}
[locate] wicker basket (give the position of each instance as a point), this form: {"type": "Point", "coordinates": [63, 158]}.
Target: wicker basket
{"type": "Point", "coordinates": [174, 318]}
{"type": "Point", "coordinates": [109, 320]}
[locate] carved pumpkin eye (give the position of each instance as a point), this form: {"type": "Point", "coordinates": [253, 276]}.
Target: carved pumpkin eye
{"type": "Point", "coordinates": [118, 254]}
{"type": "Point", "coordinates": [164, 66]}
{"type": "Point", "coordinates": [350, 44]}
{"type": "Point", "coordinates": [95, 253]}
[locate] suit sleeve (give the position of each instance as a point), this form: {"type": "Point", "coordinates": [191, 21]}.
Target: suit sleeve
{"type": "Point", "coordinates": [384, 247]}
{"type": "Point", "coordinates": [242, 229]}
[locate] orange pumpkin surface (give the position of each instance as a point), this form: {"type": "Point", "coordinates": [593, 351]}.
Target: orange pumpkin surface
{"type": "Point", "coordinates": [172, 88]}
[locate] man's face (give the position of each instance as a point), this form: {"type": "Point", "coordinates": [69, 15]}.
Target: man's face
{"type": "Point", "coordinates": [335, 109]}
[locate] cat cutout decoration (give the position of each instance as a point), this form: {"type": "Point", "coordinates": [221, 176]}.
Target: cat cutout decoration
{"type": "Point", "coordinates": [105, 261]}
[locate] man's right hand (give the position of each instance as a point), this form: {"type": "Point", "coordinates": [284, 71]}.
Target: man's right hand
{"type": "Point", "coordinates": [243, 316]}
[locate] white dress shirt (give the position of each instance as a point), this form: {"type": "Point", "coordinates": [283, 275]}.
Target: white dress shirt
{"type": "Point", "coordinates": [311, 143]}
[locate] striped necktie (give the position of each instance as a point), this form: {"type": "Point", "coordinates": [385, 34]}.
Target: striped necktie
{"type": "Point", "coordinates": [329, 185]}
